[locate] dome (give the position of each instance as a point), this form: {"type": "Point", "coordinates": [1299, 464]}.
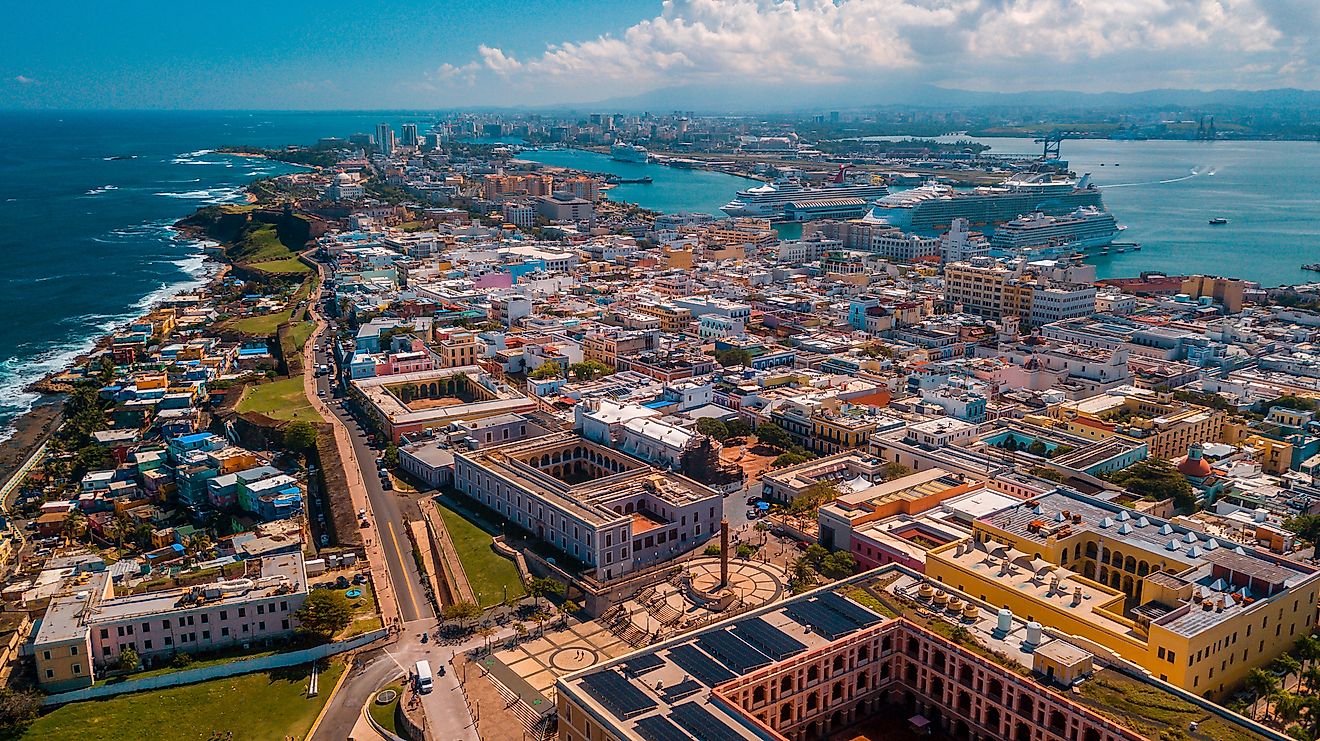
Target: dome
{"type": "Point", "coordinates": [1194, 468]}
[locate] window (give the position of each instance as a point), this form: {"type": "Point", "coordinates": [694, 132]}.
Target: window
{"type": "Point", "coordinates": [146, 627]}
{"type": "Point", "coordinates": [105, 633]}
{"type": "Point", "coordinates": [224, 632]}
{"type": "Point", "coordinates": [224, 614]}
{"type": "Point", "coordinates": [165, 624]}
{"type": "Point", "coordinates": [242, 612]}
{"type": "Point", "coordinates": [205, 618]}
{"type": "Point", "coordinates": [77, 668]}
{"type": "Point", "coordinates": [147, 644]}
{"type": "Point", "coordinates": [73, 650]}
{"type": "Point", "coordinates": [45, 655]}
{"type": "Point", "coordinates": [50, 673]}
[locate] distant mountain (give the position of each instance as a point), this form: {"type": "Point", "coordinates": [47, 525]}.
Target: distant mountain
{"type": "Point", "coordinates": [793, 99]}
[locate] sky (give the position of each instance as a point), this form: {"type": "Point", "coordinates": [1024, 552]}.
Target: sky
{"type": "Point", "coordinates": [365, 54]}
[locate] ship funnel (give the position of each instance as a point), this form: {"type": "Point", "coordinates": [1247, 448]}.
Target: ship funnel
{"type": "Point", "coordinates": [1084, 182]}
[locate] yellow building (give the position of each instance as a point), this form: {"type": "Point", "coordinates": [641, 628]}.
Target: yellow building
{"type": "Point", "coordinates": [676, 259]}
{"type": "Point", "coordinates": [1193, 610]}
{"type": "Point", "coordinates": [672, 318]}
{"type": "Point", "coordinates": [458, 349]}
{"type": "Point", "coordinates": [1167, 427]}
{"type": "Point", "coordinates": [1227, 292]}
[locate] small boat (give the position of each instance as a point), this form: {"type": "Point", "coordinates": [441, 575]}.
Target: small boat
{"type": "Point", "coordinates": [1312, 266]}
{"type": "Point", "coordinates": [1218, 221]}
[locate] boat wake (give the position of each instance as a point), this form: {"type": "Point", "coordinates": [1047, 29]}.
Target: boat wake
{"type": "Point", "coordinates": [100, 190]}
{"type": "Point", "coordinates": [1195, 172]}
{"type": "Point", "coordinates": [208, 196]}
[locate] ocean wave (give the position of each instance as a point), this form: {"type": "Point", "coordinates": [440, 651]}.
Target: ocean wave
{"type": "Point", "coordinates": [210, 196]}
{"type": "Point", "coordinates": [100, 190]}
{"type": "Point", "coordinates": [17, 373]}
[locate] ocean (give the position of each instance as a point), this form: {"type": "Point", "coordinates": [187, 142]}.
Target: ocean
{"type": "Point", "coordinates": [87, 200]}
{"type": "Point", "coordinates": [86, 242]}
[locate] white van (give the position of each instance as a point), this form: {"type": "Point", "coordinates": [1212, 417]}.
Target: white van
{"type": "Point", "coordinates": [424, 680]}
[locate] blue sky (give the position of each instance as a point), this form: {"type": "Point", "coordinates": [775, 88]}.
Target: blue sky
{"type": "Point", "coordinates": [405, 53]}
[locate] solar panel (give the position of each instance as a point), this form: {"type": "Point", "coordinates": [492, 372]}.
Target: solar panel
{"type": "Point", "coordinates": [617, 693]}
{"type": "Point", "coordinates": [701, 723]}
{"type": "Point", "coordinates": [731, 652]}
{"type": "Point", "coordinates": [849, 609]}
{"type": "Point", "coordinates": [682, 689]}
{"type": "Point", "coordinates": [704, 668]}
{"type": "Point", "coordinates": [643, 664]}
{"type": "Point", "coordinates": [831, 624]}
{"type": "Point", "coordinates": [768, 639]}
{"type": "Point", "coordinates": [656, 728]}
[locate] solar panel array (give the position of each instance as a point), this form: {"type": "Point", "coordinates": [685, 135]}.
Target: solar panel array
{"type": "Point", "coordinates": [831, 614]}
{"type": "Point", "coordinates": [704, 668]}
{"type": "Point", "coordinates": [731, 652]}
{"type": "Point", "coordinates": [656, 728]}
{"type": "Point", "coordinates": [849, 609]}
{"type": "Point", "coordinates": [643, 664]}
{"type": "Point", "coordinates": [701, 723]}
{"type": "Point", "coordinates": [768, 639]}
{"type": "Point", "coordinates": [678, 691]}
{"type": "Point", "coordinates": [617, 693]}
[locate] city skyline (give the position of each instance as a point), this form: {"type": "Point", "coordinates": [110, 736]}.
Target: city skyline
{"type": "Point", "coordinates": [696, 53]}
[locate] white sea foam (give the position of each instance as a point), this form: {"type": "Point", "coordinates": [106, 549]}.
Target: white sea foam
{"type": "Point", "coordinates": [100, 190]}
{"type": "Point", "coordinates": [17, 373]}
{"type": "Point", "coordinates": [209, 196]}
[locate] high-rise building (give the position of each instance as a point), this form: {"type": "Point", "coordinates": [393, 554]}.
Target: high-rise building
{"type": "Point", "coordinates": [385, 139]}
{"type": "Point", "coordinates": [409, 135]}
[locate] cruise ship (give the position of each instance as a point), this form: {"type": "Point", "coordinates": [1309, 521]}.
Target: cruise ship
{"type": "Point", "coordinates": [930, 209]}
{"type": "Point", "coordinates": [768, 201]}
{"type": "Point", "coordinates": [625, 152]}
{"type": "Point", "coordinates": [1083, 229]}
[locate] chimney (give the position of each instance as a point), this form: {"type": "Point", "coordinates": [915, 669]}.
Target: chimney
{"type": "Point", "coordinates": [1077, 596]}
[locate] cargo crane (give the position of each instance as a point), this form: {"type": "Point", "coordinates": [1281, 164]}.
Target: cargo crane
{"type": "Point", "coordinates": [1052, 141]}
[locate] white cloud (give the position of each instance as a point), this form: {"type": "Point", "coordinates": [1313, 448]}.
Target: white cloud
{"type": "Point", "coordinates": [25, 80]}
{"type": "Point", "coordinates": [992, 44]}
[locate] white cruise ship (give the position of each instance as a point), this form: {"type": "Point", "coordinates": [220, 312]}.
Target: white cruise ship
{"type": "Point", "coordinates": [931, 209]}
{"type": "Point", "coordinates": [1081, 229]}
{"type": "Point", "coordinates": [625, 152]}
{"type": "Point", "coordinates": [768, 201]}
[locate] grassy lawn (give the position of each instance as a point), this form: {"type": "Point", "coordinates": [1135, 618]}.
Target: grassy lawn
{"type": "Point", "coordinates": [197, 663]}
{"type": "Point", "coordinates": [256, 707]}
{"type": "Point", "coordinates": [488, 572]}
{"type": "Point", "coordinates": [281, 400]}
{"type": "Point", "coordinates": [384, 714]}
{"type": "Point", "coordinates": [287, 265]}
{"type": "Point", "coordinates": [262, 324]}
{"type": "Point", "coordinates": [261, 243]}
{"type": "Point", "coordinates": [299, 333]}
{"type": "Point", "coordinates": [1152, 712]}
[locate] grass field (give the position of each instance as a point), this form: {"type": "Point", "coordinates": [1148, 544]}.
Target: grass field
{"type": "Point", "coordinates": [298, 335]}
{"type": "Point", "coordinates": [262, 324]}
{"type": "Point", "coordinates": [253, 707]}
{"type": "Point", "coordinates": [489, 573]}
{"type": "Point", "coordinates": [287, 265]}
{"type": "Point", "coordinates": [261, 243]}
{"type": "Point", "coordinates": [197, 663]}
{"type": "Point", "coordinates": [281, 400]}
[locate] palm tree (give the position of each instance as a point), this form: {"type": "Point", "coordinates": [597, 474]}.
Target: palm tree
{"type": "Point", "coordinates": [1307, 649]}
{"type": "Point", "coordinates": [1287, 707]}
{"type": "Point", "coordinates": [1311, 675]}
{"type": "Point", "coordinates": [1287, 666]}
{"type": "Point", "coordinates": [1260, 683]}
{"type": "Point", "coordinates": [198, 545]}
{"type": "Point", "coordinates": [75, 525]}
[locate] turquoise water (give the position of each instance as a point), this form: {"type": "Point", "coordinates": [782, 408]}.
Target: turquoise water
{"type": "Point", "coordinates": [1165, 193]}
{"type": "Point", "coordinates": [674, 190]}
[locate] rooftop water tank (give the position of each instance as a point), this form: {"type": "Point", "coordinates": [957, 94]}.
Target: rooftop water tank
{"type": "Point", "coordinates": [1033, 633]}
{"type": "Point", "coordinates": [1005, 623]}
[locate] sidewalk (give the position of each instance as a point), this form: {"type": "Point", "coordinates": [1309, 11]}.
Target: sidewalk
{"type": "Point", "coordinates": [357, 490]}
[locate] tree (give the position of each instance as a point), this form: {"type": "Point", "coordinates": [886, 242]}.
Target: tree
{"type": "Point", "coordinates": [713, 427]}
{"type": "Point", "coordinates": [789, 459]}
{"type": "Point", "coordinates": [590, 370]}
{"type": "Point", "coordinates": [1306, 527]}
{"type": "Point", "coordinates": [462, 612]}
{"type": "Point", "coordinates": [772, 435]}
{"type": "Point", "coordinates": [1156, 480]}
{"type": "Point", "coordinates": [1047, 473]}
{"type": "Point", "coordinates": [181, 660]}
{"type": "Point", "coordinates": [738, 428]}
{"type": "Point", "coordinates": [1307, 648]}
{"type": "Point", "coordinates": [838, 565]}
{"type": "Point", "coordinates": [546, 371]}
{"type": "Point", "coordinates": [324, 613]}
{"type": "Point", "coordinates": [129, 660]}
{"type": "Point", "coordinates": [75, 524]}
{"type": "Point", "coordinates": [18, 708]}
{"type": "Point", "coordinates": [1260, 683]}
{"type": "Point", "coordinates": [734, 356]}
{"type": "Point", "coordinates": [391, 455]}
{"type": "Point", "coordinates": [300, 436]}
{"type": "Point", "coordinates": [1037, 448]}
{"type": "Point", "coordinates": [894, 470]}
{"type": "Point", "coordinates": [544, 586]}
{"type": "Point", "coordinates": [1286, 664]}
{"type": "Point", "coordinates": [814, 497]}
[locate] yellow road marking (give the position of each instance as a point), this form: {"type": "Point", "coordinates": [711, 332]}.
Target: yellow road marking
{"type": "Point", "coordinates": [412, 600]}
